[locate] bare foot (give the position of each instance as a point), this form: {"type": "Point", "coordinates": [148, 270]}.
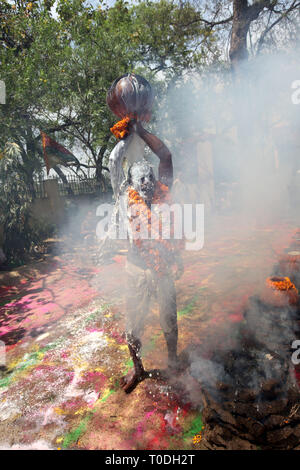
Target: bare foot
{"type": "Point", "coordinates": [132, 379]}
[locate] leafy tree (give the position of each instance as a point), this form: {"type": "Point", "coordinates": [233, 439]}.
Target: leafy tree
{"type": "Point", "coordinates": [22, 232]}
{"type": "Point", "coordinates": [15, 200]}
{"type": "Point", "coordinates": [245, 27]}
{"type": "Point", "coordinates": [58, 70]}
{"type": "Point", "coordinates": [162, 42]}
{"type": "Point", "coordinates": [17, 31]}
{"type": "Point", "coordinates": [270, 12]}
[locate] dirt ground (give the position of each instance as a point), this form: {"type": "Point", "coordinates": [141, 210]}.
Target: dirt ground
{"type": "Point", "coordinates": [62, 321]}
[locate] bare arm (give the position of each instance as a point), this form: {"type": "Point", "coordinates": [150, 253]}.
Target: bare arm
{"type": "Point", "coordinates": [165, 169]}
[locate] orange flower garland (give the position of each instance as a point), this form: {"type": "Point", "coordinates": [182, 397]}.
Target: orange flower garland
{"type": "Point", "coordinates": [158, 253]}
{"type": "Point", "coordinates": [120, 129]}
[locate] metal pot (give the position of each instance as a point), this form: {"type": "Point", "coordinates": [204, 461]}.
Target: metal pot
{"type": "Point", "coordinates": [131, 95]}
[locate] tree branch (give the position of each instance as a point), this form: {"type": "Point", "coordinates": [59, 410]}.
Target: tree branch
{"type": "Point", "coordinates": [292, 7]}
{"type": "Point", "coordinates": [212, 24]}
{"type": "Point", "coordinates": [254, 10]}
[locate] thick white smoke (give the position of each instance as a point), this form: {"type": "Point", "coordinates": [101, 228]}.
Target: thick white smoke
{"type": "Point", "coordinates": [245, 131]}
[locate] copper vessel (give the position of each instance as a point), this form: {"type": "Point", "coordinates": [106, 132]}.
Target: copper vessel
{"type": "Point", "coordinates": [131, 95]}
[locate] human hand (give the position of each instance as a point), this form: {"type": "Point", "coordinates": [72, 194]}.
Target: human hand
{"type": "Point", "coordinates": [139, 128]}
{"type": "Point", "coordinates": [131, 127]}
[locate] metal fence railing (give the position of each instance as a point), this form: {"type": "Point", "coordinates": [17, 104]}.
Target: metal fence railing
{"type": "Point", "coordinates": [74, 186]}
{"type": "Point", "coordinates": [39, 190]}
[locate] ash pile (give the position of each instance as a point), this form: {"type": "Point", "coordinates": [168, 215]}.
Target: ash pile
{"type": "Point", "coordinates": [250, 395]}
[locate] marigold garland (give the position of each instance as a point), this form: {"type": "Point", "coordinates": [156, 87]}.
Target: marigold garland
{"type": "Point", "coordinates": [120, 129]}
{"type": "Point", "coordinates": [158, 253]}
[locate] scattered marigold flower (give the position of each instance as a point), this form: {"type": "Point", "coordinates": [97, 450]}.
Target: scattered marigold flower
{"type": "Point", "coordinates": [279, 283]}
{"type": "Point", "coordinates": [197, 438]}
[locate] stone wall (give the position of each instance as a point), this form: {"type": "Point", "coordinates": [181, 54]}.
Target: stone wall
{"type": "Point", "coordinates": [53, 209]}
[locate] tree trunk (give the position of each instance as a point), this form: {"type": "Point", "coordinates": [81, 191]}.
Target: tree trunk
{"type": "Point", "coordinates": [240, 27]}
{"type": "Point", "coordinates": [244, 108]}
{"type": "Point", "coordinates": [243, 15]}
{"type": "Point", "coordinates": [99, 163]}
